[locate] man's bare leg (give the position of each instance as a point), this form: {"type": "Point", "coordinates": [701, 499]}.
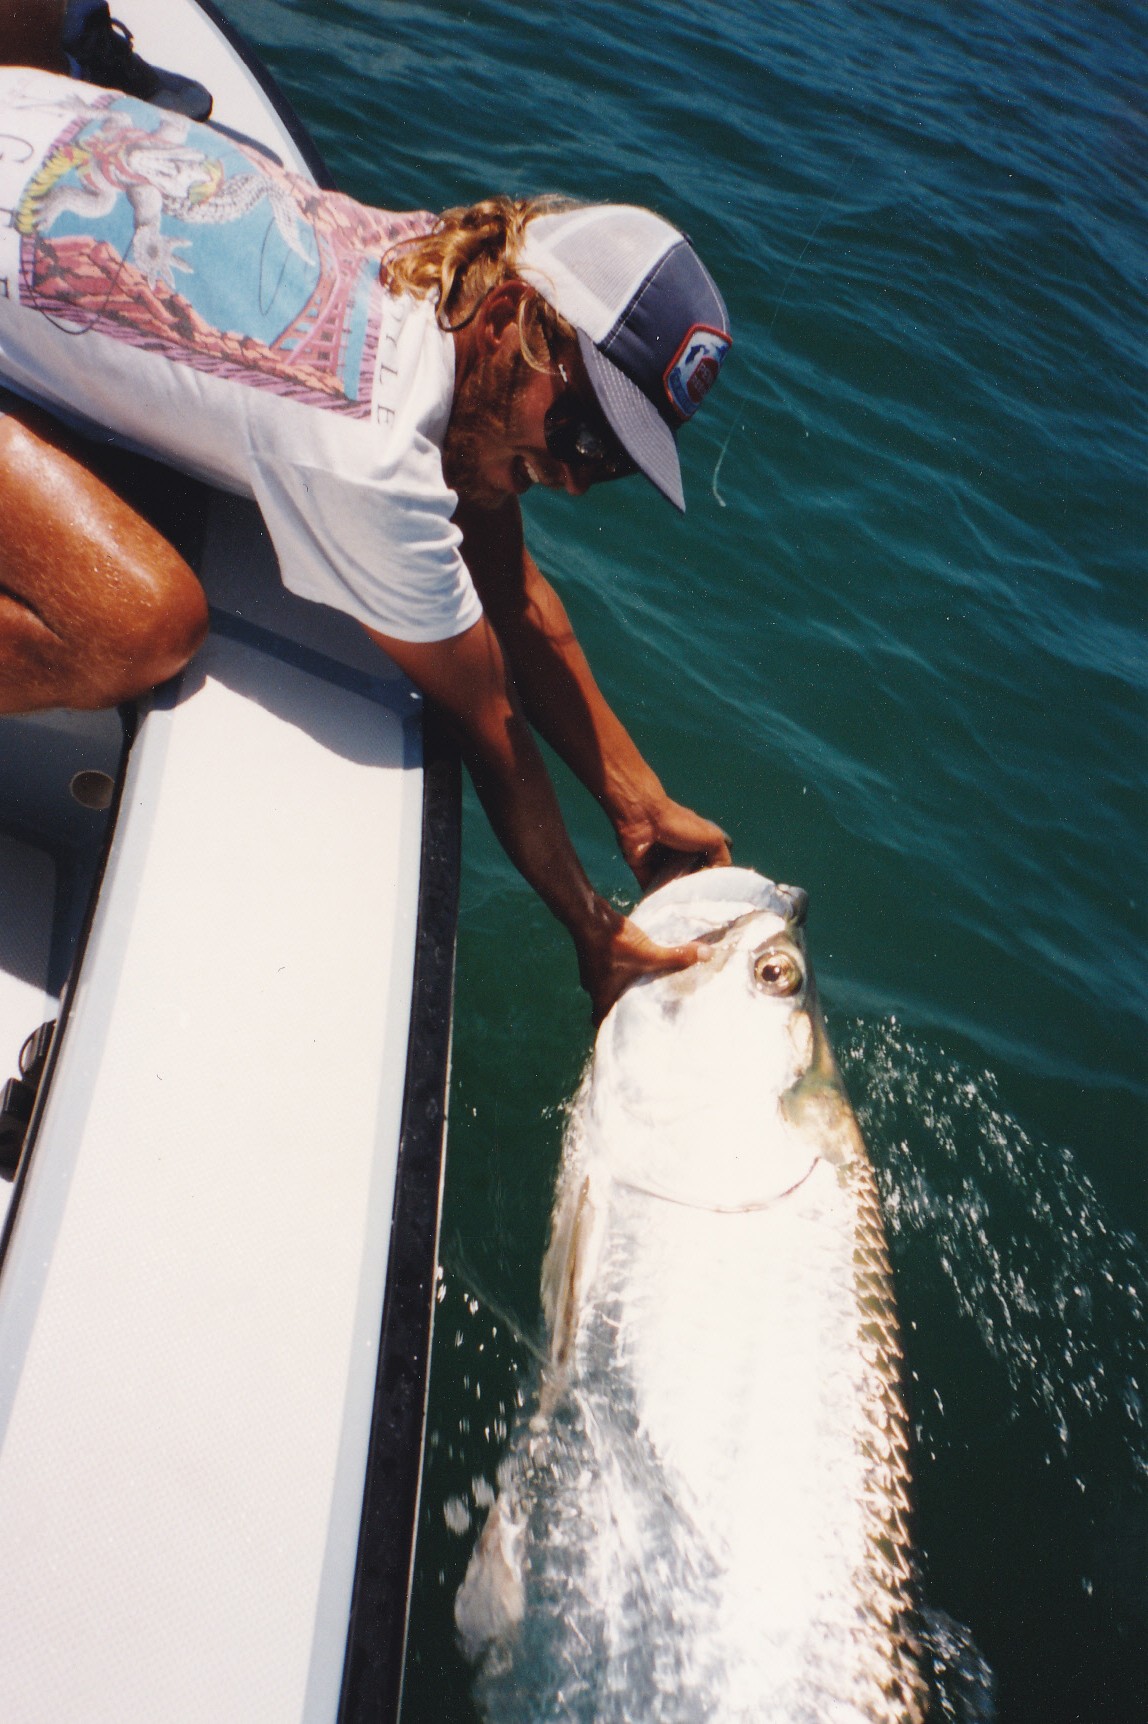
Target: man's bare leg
{"type": "Point", "coordinates": [95, 605]}
{"type": "Point", "coordinates": [30, 33]}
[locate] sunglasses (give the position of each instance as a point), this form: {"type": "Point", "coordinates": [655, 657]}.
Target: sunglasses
{"type": "Point", "coordinates": [580, 438]}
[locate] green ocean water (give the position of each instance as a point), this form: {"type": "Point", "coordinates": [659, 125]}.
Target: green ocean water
{"type": "Point", "coordinates": [897, 647]}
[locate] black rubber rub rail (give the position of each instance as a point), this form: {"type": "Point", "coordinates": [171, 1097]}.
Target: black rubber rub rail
{"type": "Point", "coordinates": [373, 1669]}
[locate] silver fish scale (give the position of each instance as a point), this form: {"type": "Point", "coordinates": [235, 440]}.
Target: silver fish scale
{"type": "Point", "coordinates": [708, 1509]}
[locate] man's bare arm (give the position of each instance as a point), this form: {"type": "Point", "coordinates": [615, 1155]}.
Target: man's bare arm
{"type": "Point", "coordinates": [467, 678]}
{"type": "Point", "coordinates": [564, 703]}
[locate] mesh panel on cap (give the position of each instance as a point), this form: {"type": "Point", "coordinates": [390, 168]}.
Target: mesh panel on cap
{"type": "Point", "coordinates": [589, 263]}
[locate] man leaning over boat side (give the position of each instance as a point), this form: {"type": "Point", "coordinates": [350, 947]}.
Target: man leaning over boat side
{"type": "Point", "coordinates": [386, 387]}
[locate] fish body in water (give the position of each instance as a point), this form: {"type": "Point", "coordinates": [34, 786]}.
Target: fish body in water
{"type": "Point", "coordinates": [704, 1515]}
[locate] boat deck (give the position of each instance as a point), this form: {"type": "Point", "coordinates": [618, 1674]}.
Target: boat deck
{"type": "Point", "coordinates": [208, 1457]}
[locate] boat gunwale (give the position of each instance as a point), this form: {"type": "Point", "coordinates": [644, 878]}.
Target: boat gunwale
{"type": "Point", "coordinates": [374, 1652]}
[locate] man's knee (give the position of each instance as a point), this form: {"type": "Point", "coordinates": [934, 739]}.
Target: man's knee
{"type": "Point", "coordinates": [101, 607]}
{"type": "Point", "coordinates": [181, 616]}
{"type": "Point", "coordinates": [157, 630]}
{"type": "Point", "coordinates": [139, 629]}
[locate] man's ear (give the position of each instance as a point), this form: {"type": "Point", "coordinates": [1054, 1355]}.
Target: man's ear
{"type": "Point", "coordinates": [499, 310]}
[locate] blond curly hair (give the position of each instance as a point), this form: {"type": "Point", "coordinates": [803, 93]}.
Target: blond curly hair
{"type": "Point", "coordinates": [467, 253]}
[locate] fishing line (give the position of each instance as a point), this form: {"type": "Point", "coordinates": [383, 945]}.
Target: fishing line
{"type": "Point", "coordinates": [713, 482]}
{"type": "Point", "coordinates": [265, 309]}
{"type": "Point", "coordinates": [455, 1260]}
{"type": "Point", "coordinates": [825, 214]}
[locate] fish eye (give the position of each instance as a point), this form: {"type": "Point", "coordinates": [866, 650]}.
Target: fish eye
{"type": "Point", "coordinates": [777, 971]}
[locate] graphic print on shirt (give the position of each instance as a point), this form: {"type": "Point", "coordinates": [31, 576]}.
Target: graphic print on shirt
{"type": "Point", "coordinates": [141, 225]}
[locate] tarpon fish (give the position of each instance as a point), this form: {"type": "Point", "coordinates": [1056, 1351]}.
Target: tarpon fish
{"type": "Point", "coordinates": [704, 1514]}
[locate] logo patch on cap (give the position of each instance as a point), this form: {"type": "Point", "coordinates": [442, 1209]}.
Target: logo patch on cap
{"type": "Point", "coordinates": [694, 367]}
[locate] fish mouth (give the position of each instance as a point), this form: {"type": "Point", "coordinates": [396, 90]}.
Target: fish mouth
{"type": "Point", "coordinates": [799, 901]}
{"type": "Point", "coordinates": [711, 903]}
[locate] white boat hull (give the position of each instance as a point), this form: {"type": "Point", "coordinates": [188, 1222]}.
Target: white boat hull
{"type": "Point", "coordinates": [212, 1360]}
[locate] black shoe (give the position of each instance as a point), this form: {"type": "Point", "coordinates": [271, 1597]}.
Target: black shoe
{"type": "Point", "coordinates": [104, 55]}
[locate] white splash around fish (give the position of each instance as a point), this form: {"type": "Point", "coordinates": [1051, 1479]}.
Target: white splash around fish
{"type": "Point", "coordinates": [705, 1515]}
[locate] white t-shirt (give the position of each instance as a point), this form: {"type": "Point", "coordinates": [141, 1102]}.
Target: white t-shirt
{"type": "Point", "coordinates": [185, 292]}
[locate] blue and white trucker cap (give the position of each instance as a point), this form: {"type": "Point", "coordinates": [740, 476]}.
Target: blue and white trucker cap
{"type": "Point", "coordinates": [652, 327]}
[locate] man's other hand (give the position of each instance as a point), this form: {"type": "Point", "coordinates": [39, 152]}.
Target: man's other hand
{"type": "Point", "coordinates": [652, 840]}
